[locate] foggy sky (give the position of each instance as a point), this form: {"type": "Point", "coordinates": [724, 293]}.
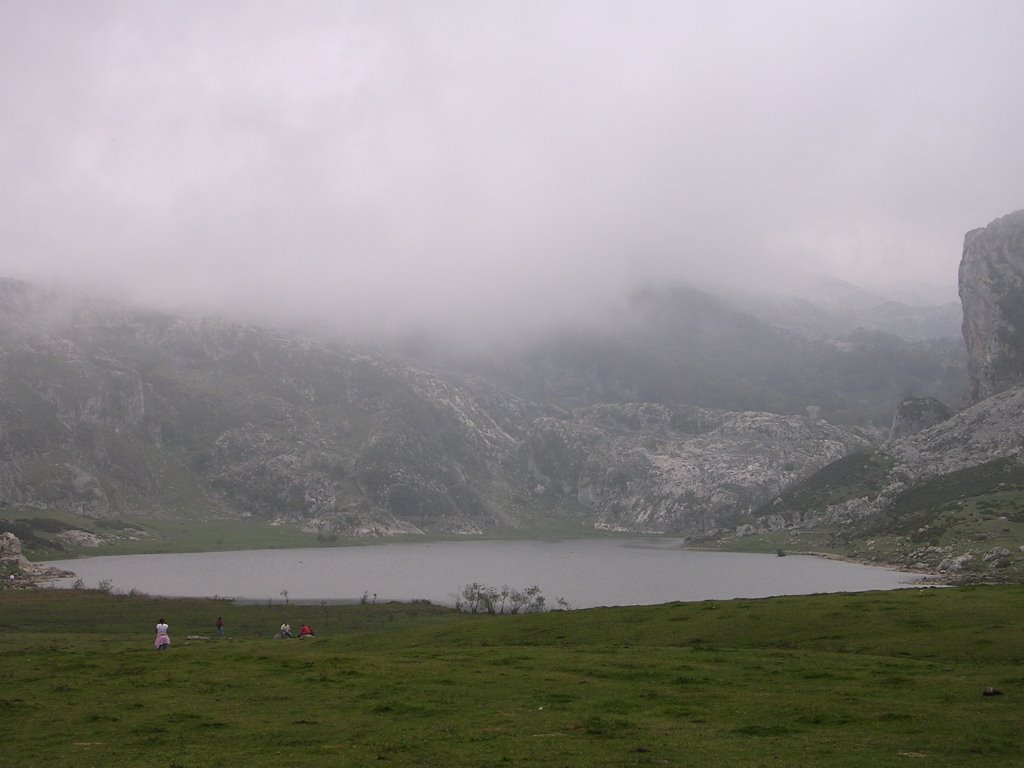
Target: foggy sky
{"type": "Point", "coordinates": [487, 164]}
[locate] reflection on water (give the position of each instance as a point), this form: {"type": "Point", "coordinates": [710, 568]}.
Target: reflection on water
{"type": "Point", "coordinates": [585, 572]}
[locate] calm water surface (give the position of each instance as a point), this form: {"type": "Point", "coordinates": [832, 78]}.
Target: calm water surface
{"type": "Point", "coordinates": [585, 572]}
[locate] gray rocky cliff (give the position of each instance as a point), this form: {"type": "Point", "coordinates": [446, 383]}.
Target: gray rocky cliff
{"type": "Point", "coordinates": [992, 295]}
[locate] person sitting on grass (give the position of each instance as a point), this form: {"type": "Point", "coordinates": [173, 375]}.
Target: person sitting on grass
{"type": "Point", "coordinates": [286, 630]}
{"type": "Point", "coordinates": [306, 631]}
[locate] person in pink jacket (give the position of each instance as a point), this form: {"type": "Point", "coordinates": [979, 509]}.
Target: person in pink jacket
{"type": "Point", "coordinates": [163, 640]}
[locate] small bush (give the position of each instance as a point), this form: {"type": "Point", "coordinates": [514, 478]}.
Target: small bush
{"type": "Point", "coordinates": [480, 598]}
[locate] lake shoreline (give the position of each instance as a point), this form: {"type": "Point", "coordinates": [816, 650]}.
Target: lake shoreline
{"type": "Point", "coordinates": [217, 536]}
{"type": "Point", "coordinates": [921, 578]}
{"type": "Point", "coordinates": [590, 572]}
{"type": "Point", "coordinates": [925, 575]}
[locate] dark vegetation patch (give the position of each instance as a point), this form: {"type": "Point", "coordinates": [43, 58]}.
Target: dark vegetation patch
{"type": "Point", "coordinates": [856, 475]}
{"type": "Point", "coordinates": [37, 533]}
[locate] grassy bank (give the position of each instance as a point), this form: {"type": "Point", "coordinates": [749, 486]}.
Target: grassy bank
{"type": "Point", "coordinates": [40, 535]}
{"type": "Point", "coordinates": [874, 679]}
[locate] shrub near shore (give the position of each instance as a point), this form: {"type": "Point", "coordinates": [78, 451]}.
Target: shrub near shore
{"type": "Point", "coordinates": [872, 679]}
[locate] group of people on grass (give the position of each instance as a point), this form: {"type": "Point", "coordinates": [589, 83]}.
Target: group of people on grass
{"type": "Point", "coordinates": [163, 637]}
{"type": "Point", "coordinates": [286, 631]}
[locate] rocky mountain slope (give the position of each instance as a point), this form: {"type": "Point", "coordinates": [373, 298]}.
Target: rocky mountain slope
{"type": "Point", "coordinates": [947, 491]}
{"type": "Point", "coordinates": [686, 415]}
{"type": "Point", "coordinates": [681, 469]}
{"type": "Point", "coordinates": [116, 412]}
{"type": "Point", "coordinates": [109, 411]}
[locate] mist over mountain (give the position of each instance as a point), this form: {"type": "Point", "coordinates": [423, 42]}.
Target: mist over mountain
{"type": "Point", "coordinates": [681, 344]}
{"type": "Point", "coordinates": [679, 418]}
{"type": "Point", "coordinates": [822, 306]}
{"type": "Point", "coordinates": [681, 413]}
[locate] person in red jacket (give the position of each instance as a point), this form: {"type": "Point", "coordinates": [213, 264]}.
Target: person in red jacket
{"type": "Point", "coordinates": [306, 631]}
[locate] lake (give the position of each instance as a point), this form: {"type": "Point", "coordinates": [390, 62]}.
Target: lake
{"type": "Point", "coordinates": [585, 572]}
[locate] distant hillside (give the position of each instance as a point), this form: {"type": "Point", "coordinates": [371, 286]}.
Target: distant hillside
{"type": "Point", "coordinates": [111, 411]}
{"type": "Point", "coordinates": [679, 344]}
{"type": "Point", "coordinates": [822, 307]}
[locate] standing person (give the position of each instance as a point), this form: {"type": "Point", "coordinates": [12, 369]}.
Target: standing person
{"type": "Point", "coordinates": [220, 626]}
{"type": "Point", "coordinates": [163, 640]}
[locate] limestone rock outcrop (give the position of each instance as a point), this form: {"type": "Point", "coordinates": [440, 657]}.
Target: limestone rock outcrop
{"type": "Point", "coordinates": [679, 469]}
{"type": "Point", "coordinates": [16, 570]}
{"type": "Point", "coordinates": [10, 553]}
{"type": "Point", "coordinates": [985, 432]}
{"type": "Point", "coordinates": [992, 295]}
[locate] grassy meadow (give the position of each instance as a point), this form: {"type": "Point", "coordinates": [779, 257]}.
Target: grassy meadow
{"type": "Point", "coordinates": [871, 679]}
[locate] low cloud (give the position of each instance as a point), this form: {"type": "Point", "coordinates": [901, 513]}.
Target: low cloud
{"type": "Point", "coordinates": [387, 166]}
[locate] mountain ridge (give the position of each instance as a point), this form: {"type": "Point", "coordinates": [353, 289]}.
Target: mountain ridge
{"type": "Point", "coordinates": [112, 411]}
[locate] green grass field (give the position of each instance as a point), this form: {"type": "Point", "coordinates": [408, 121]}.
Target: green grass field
{"type": "Point", "coordinates": [872, 679]}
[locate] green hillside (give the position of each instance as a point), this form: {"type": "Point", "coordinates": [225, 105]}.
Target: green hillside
{"type": "Point", "coordinates": [975, 514]}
